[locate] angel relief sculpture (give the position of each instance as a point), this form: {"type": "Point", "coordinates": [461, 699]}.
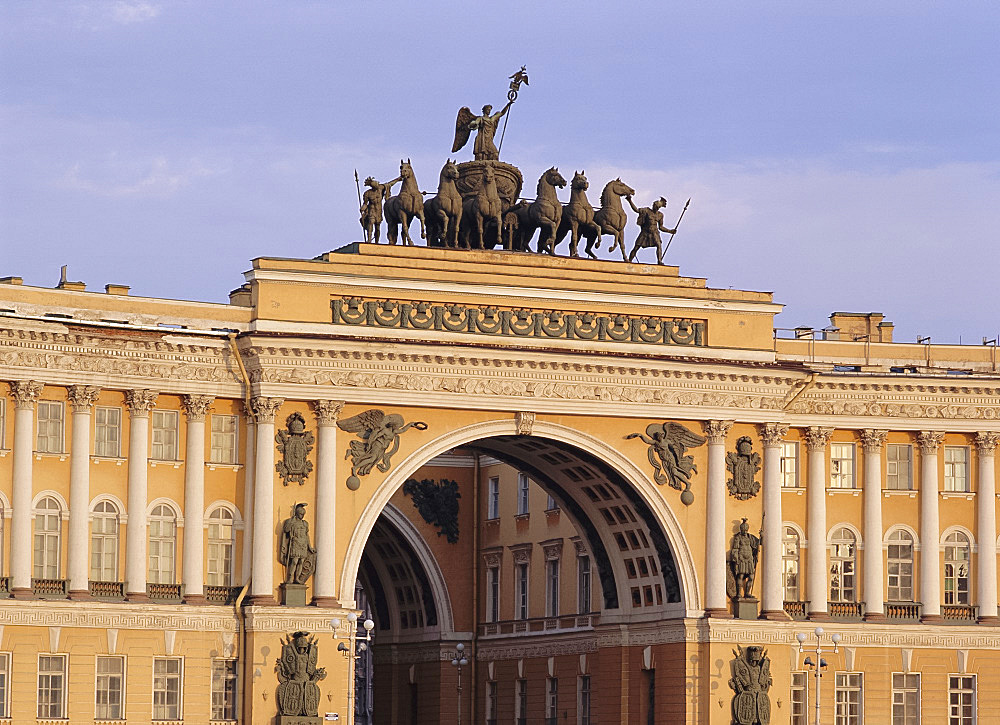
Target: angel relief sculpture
{"type": "Point", "coordinates": [379, 434]}
{"type": "Point", "coordinates": [667, 445]}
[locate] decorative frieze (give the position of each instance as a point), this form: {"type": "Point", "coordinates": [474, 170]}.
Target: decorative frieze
{"type": "Point", "coordinates": [521, 553]}
{"type": "Point", "coordinates": [553, 549]}
{"type": "Point", "coordinates": [82, 397]}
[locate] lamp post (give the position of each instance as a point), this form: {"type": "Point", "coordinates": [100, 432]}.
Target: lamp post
{"type": "Point", "coordinates": [459, 661]}
{"type": "Point", "coordinates": [820, 664]}
{"type": "Point", "coordinates": [360, 645]}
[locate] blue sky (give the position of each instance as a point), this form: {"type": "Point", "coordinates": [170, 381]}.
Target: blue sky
{"type": "Point", "coordinates": [844, 156]}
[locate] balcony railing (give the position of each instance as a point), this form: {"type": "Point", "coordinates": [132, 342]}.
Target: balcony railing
{"type": "Point", "coordinates": [960, 613]}
{"type": "Point", "coordinates": [107, 590]}
{"type": "Point", "coordinates": [846, 610]}
{"type": "Point", "coordinates": [519, 627]}
{"type": "Point", "coordinates": [168, 593]}
{"type": "Point", "coordinates": [221, 595]}
{"type": "Point", "coordinates": [796, 610]}
{"type": "Point", "coordinates": [903, 611]}
{"type": "Point", "coordinates": [49, 587]}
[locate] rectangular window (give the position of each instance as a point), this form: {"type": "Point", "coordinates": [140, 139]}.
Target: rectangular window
{"type": "Point", "coordinates": [800, 699]}
{"type": "Point", "coordinates": [899, 467]}
{"type": "Point", "coordinates": [50, 427]}
{"type": "Point", "coordinates": [841, 465]}
{"type": "Point", "coordinates": [583, 584]}
{"type": "Point", "coordinates": [224, 429]}
{"type": "Point", "coordinates": [849, 699]}
{"type": "Point", "coordinates": [223, 689]}
{"type": "Point", "coordinates": [167, 688]}
{"type": "Point", "coordinates": [491, 703]}
{"type": "Point", "coordinates": [521, 594]}
{"type": "Point", "coordinates": [551, 701]}
{"type": "Point", "coordinates": [493, 594]}
{"type": "Point", "coordinates": [521, 702]}
{"type": "Point", "coordinates": [164, 435]}
{"type": "Point", "coordinates": [108, 432]}
{"type": "Point", "coordinates": [790, 464]}
{"type": "Point", "coordinates": [493, 498]}
{"type": "Point", "coordinates": [523, 489]}
{"type": "Point", "coordinates": [550, 504]}
{"type": "Point", "coordinates": [552, 588]}
{"type": "Point", "coordinates": [905, 698]}
{"type": "Point", "coordinates": [110, 688]}
{"type": "Point", "coordinates": [961, 700]}
{"type": "Point", "coordinates": [51, 686]}
{"type": "Point", "coordinates": [4, 684]}
{"type": "Point", "coordinates": [583, 700]}
{"type": "Point", "coordinates": [956, 468]}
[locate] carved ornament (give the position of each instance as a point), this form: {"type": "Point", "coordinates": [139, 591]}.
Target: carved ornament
{"type": "Point", "coordinates": [196, 406]}
{"type": "Point", "coordinates": [929, 441]}
{"type": "Point", "coordinates": [521, 553]}
{"type": "Point", "coordinates": [716, 430]}
{"type": "Point", "coordinates": [872, 440]}
{"type": "Point", "coordinates": [294, 445]}
{"type": "Point", "coordinates": [265, 409]}
{"type": "Point", "coordinates": [986, 442]}
{"type": "Point", "coordinates": [817, 437]}
{"type": "Point", "coordinates": [492, 558]}
{"type": "Point", "coordinates": [82, 397]}
{"type": "Point", "coordinates": [553, 549]}
{"type": "Point", "coordinates": [751, 680]}
{"type": "Point", "coordinates": [668, 443]}
{"type": "Point", "coordinates": [524, 421]}
{"type": "Point", "coordinates": [437, 504]}
{"type": "Point", "coordinates": [25, 392]}
{"type": "Point", "coordinates": [743, 464]}
{"type": "Point", "coordinates": [298, 693]}
{"type": "Point", "coordinates": [379, 433]}
{"type": "Point", "coordinates": [327, 411]}
{"type": "Point", "coordinates": [140, 402]}
{"type": "Point", "coordinates": [773, 434]}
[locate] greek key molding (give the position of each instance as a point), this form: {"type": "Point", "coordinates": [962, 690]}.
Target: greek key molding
{"type": "Point", "coordinates": [517, 322]}
{"type": "Point", "coordinates": [116, 616]}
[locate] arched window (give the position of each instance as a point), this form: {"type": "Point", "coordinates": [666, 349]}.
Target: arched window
{"type": "Point", "coordinates": [900, 566]}
{"type": "Point", "coordinates": [790, 564]}
{"type": "Point", "coordinates": [104, 543]}
{"type": "Point", "coordinates": [957, 551]}
{"type": "Point", "coordinates": [48, 529]}
{"type": "Point", "coordinates": [843, 566]}
{"type": "Point", "coordinates": [162, 545]}
{"type": "Point", "coordinates": [221, 534]}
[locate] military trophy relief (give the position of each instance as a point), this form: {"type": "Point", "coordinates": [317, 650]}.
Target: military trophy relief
{"type": "Point", "coordinates": [741, 571]}
{"type": "Point", "coordinates": [297, 555]}
{"type": "Point", "coordinates": [298, 692]}
{"type": "Point", "coordinates": [294, 445]}
{"type": "Point", "coordinates": [379, 433]}
{"type": "Point", "coordinates": [668, 443]}
{"type": "Point", "coordinates": [743, 465]}
{"type": "Point", "coordinates": [751, 680]}
{"type": "Point", "coordinates": [478, 203]}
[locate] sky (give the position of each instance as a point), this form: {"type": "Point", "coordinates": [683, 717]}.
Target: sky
{"type": "Point", "coordinates": [845, 156]}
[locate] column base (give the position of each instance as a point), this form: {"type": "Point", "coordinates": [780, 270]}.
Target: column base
{"type": "Point", "coordinates": [819, 617]}
{"type": "Point", "coordinates": [326, 602]}
{"type": "Point", "coordinates": [22, 593]}
{"type": "Point", "coordinates": [136, 597]}
{"type": "Point", "coordinates": [195, 599]}
{"type": "Point", "coordinates": [262, 600]}
{"type": "Point", "coordinates": [931, 619]}
{"type": "Point", "coordinates": [718, 613]}
{"type": "Point", "coordinates": [990, 621]}
{"type": "Point", "coordinates": [875, 617]}
{"type": "Point", "coordinates": [775, 615]}
{"type": "Point", "coordinates": [80, 595]}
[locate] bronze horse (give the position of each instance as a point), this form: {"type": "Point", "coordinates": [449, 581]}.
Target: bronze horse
{"type": "Point", "coordinates": [544, 213]}
{"type": "Point", "coordinates": [481, 210]}
{"type": "Point", "coordinates": [611, 216]}
{"type": "Point", "coordinates": [444, 211]}
{"type": "Point", "coordinates": [400, 210]}
{"type": "Point", "coordinates": [578, 218]}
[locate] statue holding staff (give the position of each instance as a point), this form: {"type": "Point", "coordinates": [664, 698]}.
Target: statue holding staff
{"type": "Point", "coordinates": [486, 124]}
{"type": "Point", "coordinates": [371, 207]}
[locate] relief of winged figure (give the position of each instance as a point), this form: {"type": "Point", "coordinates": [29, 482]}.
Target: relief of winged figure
{"type": "Point", "coordinates": [668, 443]}
{"type": "Point", "coordinates": [379, 434]}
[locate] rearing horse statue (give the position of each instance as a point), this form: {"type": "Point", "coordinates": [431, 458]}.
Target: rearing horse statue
{"type": "Point", "coordinates": [484, 207]}
{"type": "Point", "coordinates": [611, 216]}
{"type": "Point", "coordinates": [400, 210]}
{"type": "Point", "coordinates": [546, 211]}
{"type": "Point", "coordinates": [578, 218]}
{"type": "Point", "coordinates": [444, 211]}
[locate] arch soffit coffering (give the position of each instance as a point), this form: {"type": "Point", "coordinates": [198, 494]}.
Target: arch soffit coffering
{"type": "Point", "coordinates": [628, 469]}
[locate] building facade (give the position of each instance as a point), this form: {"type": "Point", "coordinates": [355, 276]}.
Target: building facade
{"type": "Point", "coordinates": [547, 461]}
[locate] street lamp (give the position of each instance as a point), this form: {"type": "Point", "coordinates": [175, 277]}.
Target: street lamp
{"type": "Point", "coordinates": [459, 661]}
{"type": "Point", "coordinates": [819, 664]}
{"type": "Point", "coordinates": [360, 645]}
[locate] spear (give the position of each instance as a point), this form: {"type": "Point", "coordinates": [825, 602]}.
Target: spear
{"type": "Point", "coordinates": [660, 260]}
{"type": "Point", "coordinates": [357, 183]}
{"type": "Point", "coordinates": [515, 83]}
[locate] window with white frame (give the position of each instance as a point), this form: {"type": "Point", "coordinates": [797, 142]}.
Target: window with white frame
{"type": "Point", "coordinates": [551, 700]}
{"type": "Point", "coordinates": [167, 673]}
{"type": "Point", "coordinates": [799, 699]}
{"type": "Point", "coordinates": [905, 698]}
{"type": "Point", "coordinates": [4, 684]}
{"type": "Point", "coordinates": [523, 492]}
{"type": "Point", "coordinates": [51, 686]}
{"type": "Point", "coordinates": [550, 504]}
{"type": "Point", "coordinates": [899, 467]}
{"type": "Point", "coordinates": [843, 566]}
{"type": "Point", "coordinates": [956, 468]}
{"type": "Point", "coordinates": [521, 592]}
{"type": "Point", "coordinates": [961, 699]}
{"type": "Point", "coordinates": [493, 594]}
{"type": "Point", "coordinates": [108, 432]}
{"type": "Point", "coordinates": [223, 689]}
{"type": "Point", "coordinates": [899, 566]}
{"type": "Point", "coordinates": [221, 538]}
{"type": "Point", "coordinates": [841, 465]}
{"type": "Point", "coordinates": [849, 698]}
{"type": "Point", "coordinates": [521, 702]}
{"type": "Point", "coordinates": [104, 543]}
{"type": "Point", "coordinates": [552, 588]}
{"type": "Point", "coordinates": [493, 498]}
{"type": "Point", "coordinates": [583, 700]}
{"type": "Point", "coordinates": [162, 545]}
{"type": "Point", "coordinates": [583, 584]}
{"type": "Point", "coordinates": [957, 555]}
{"type": "Point", "coordinates": [164, 423]}
{"type": "Point", "coordinates": [224, 438]}
{"type": "Point", "coordinates": [50, 427]}
{"type": "Point", "coordinates": [47, 538]}
{"type": "Point", "coordinates": [790, 564]}
{"type": "Point", "coordinates": [491, 702]}
{"type": "Point", "coordinates": [110, 688]}
{"type": "Point", "coordinates": [789, 464]}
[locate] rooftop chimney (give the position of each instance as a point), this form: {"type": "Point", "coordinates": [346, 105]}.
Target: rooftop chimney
{"type": "Point", "coordinates": [116, 289]}
{"type": "Point", "coordinates": [861, 326]}
{"type": "Point", "coordinates": [65, 284]}
{"type": "Point", "coordinates": [11, 280]}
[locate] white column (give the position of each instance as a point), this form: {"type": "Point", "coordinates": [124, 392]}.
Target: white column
{"type": "Point", "coordinates": [986, 528]}
{"type": "Point", "coordinates": [325, 526]}
{"type": "Point", "coordinates": [193, 574]}
{"type": "Point", "coordinates": [817, 439]}
{"type": "Point", "coordinates": [773, 604]}
{"type": "Point", "coordinates": [264, 540]}
{"type": "Point", "coordinates": [874, 578]}
{"type": "Point", "coordinates": [82, 398]}
{"type": "Point", "coordinates": [139, 404]}
{"type": "Point", "coordinates": [930, 526]}
{"type": "Point", "coordinates": [25, 394]}
{"type": "Point", "coordinates": [716, 604]}
{"type": "Point", "coordinates": [249, 461]}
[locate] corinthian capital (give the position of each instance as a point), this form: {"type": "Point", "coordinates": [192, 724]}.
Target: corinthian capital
{"type": "Point", "coordinates": [817, 437]}
{"type": "Point", "coordinates": [930, 440]}
{"type": "Point", "coordinates": [83, 397]}
{"type": "Point", "coordinates": [872, 440]}
{"type": "Point", "coordinates": [716, 430]}
{"type": "Point", "coordinates": [327, 411]}
{"type": "Point", "coordinates": [140, 402]}
{"type": "Point", "coordinates": [265, 409]}
{"type": "Point", "coordinates": [986, 442]}
{"type": "Point", "coordinates": [196, 406]}
{"type": "Point", "coordinates": [25, 392]}
{"type": "Point", "coordinates": [772, 434]}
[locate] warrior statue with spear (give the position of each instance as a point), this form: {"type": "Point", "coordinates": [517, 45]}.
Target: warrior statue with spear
{"type": "Point", "coordinates": [371, 205]}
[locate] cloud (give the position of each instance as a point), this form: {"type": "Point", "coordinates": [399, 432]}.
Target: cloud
{"type": "Point", "coordinates": [155, 177]}
{"type": "Point", "coordinates": [127, 13]}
